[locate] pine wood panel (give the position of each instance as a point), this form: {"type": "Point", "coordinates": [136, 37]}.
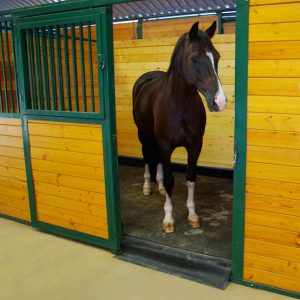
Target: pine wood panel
{"type": "Point", "coordinates": [272, 265]}
{"type": "Point", "coordinates": [274, 104]}
{"type": "Point", "coordinates": [272, 250]}
{"type": "Point", "coordinates": [14, 200]}
{"type": "Point", "coordinates": [289, 12]}
{"type": "Point", "coordinates": [274, 32]}
{"type": "Point", "coordinates": [274, 68]}
{"type": "Point", "coordinates": [68, 174]}
{"type": "Point", "coordinates": [272, 220]}
{"type": "Point", "coordinates": [272, 279]}
{"type": "Point", "coordinates": [272, 235]}
{"type": "Point", "coordinates": [274, 50]}
{"type": "Point", "coordinates": [274, 155]}
{"type": "Point", "coordinates": [273, 204]}
{"type": "Point", "coordinates": [273, 188]}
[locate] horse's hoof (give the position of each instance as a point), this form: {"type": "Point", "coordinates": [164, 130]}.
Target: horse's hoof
{"type": "Point", "coordinates": [168, 228]}
{"type": "Point", "coordinates": [147, 191]}
{"type": "Point", "coordinates": [194, 223]}
{"type": "Point", "coordinates": [162, 192]}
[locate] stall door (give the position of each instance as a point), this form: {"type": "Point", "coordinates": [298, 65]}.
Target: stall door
{"type": "Point", "coordinates": [65, 82]}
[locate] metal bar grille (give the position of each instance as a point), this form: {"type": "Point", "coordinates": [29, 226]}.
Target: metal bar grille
{"type": "Point", "coordinates": [8, 96]}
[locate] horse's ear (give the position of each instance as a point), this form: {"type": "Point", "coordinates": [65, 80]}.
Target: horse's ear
{"type": "Point", "coordinates": [211, 30]}
{"type": "Point", "coordinates": [194, 30]}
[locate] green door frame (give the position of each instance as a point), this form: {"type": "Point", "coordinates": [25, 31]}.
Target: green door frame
{"type": "Point", "coordinates": [103, 18]}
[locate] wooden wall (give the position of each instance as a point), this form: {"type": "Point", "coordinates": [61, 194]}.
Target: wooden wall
{"type": "Point", "coordinates": [272, 230]}
{"type": "Point", "coordinates": [68, 175]}
{"type": "Point", "coordinates": [13, 183]}
{"type": "Point", "coordinates": [160, 29]}
{"type": "Point", "coordinates": [135, 57]}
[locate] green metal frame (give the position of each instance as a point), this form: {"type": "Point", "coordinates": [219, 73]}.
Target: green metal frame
{"type": "Point", "coordinates": [241, 94]}
{"type": "Point", "coordinates": [103, 18]}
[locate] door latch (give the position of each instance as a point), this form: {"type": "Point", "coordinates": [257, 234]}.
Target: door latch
{"type": "Point", "coordinates": [235, 154]}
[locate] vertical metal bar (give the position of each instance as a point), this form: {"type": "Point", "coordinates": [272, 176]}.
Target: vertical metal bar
{"type": "Point", "coordinates": [15, 67]}
{"type": "Point", "coordinates": [38, 68]}
{"type": "Point", "coordinates": [91, 66]}
{"type": "Point", "coordinates": [59, 66]}
{"type": "Point", "coordinates": [140, 28]}
{"type": "Point", "coordinates": [33, 74]}
{"type": "Point", "coordinates": [74, 62]}
{"type": "Point", "coordinates": [52, 66]}
{"type": "Point", "coordinates": [3, 69]}
{"type": "Point", "coordinates": [220, 23]}
{"type": "Point", "coordinates": [9, 68]}
{"type": "Point", "coordinates": [29, 63]}
{"type": "Point", "coordinates": [45, 68]}
{"type": "Point", "coordinates": [82, 67]}
{"type": "Point", "coordinates": [67, 67]}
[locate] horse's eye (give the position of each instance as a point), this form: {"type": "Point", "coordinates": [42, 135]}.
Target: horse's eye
{"type": "Point", "coordinates": [194, 60]}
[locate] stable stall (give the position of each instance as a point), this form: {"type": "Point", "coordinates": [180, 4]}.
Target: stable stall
{"type": "Point", "coordinates": [65, 117]}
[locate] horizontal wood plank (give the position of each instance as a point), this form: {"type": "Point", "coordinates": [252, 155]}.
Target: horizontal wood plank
{"type": "Point", "coordinates": [76, 158]}
{"type": "Point", "coordinates": [274, 50]}
{"type": "Point", "coordinates": [272, 279]}
{"type": "Point", "coordinates": [274, 104]}
{"type": "Point", "coordinates": [73, 226]}
{"type": "Point", "coordinates": [272, 220]}
{"type": "Point", "coordinates": [68, 169]}
{"type": "Point", "coordinates": [73, 145]}
{"type": "Point", "coordinates": [15, 212]}
{"type": "Point", "coordinates": [269, 13]}
{"type": "Point", "coordinates": [75, 194]}
{"type": "Point", "coordinates": [272, 138]}
{"type": "Point", "coordinates": [273, 204]}
{"type": "Point", "coordinates": [282, 156]}
{"type": "Point", "coordinates": [85, 184]}
{"type": "Point", "coordinates": [274, 32]}
{"type": "Point", "coordinates": [272, 265]}
{"type": "Point", "coordinates": [273, 188]}
{"type": "Point", "coordinates": [271, 235]}
{"type": "Point", "coordinates": [273, 172]}
{"type": "Point", "coordinates": [272, 250]}
{"type": "Point", "coordinates": [71, 205]}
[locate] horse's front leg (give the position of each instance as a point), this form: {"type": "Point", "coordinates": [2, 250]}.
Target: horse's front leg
{"type": "Point", "coordinates": [193, 155]}
{"type": "Point", "coordinates": [168, 181]}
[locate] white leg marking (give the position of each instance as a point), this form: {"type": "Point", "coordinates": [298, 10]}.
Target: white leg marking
{"type": "Point", "coordinates": [147, 183]}
{"type": "Point", "coordinates": [190, 203]}
{"type": "Point", "coordinates": [220, 97]}
{"type": "Point", "coordinates": [160, 179]}
{"type": "Point", "coordinates": [168, 211]}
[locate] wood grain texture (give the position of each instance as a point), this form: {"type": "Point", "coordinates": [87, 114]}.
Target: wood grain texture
{"type": "Point", "coordinates": [68, 174]}
{"type": "Point", "coordinates": [14, 200]}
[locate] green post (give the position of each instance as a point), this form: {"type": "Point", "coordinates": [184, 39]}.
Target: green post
{"type": "Point", "coordinates": [220, 23]}
{"type": "Point", "coordinates": [140, 29]}
{"type": "Point", "coordinates": [241, 92]}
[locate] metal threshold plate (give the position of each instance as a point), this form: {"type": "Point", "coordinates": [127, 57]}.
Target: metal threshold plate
{"type": "Point", "coordinates": [210, 270]}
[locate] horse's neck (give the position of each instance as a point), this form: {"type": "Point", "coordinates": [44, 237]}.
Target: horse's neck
{"type": "Point", "coordinates": [180, 89]}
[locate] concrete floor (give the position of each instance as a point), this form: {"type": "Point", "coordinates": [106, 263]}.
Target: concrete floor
{"type": "Point", "coordinates": [36, 265]}
{"type": "Point", "coordinates": [142, 215]}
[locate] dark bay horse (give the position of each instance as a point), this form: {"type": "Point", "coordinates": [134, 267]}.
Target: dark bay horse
{"type": "Point", "coordinates": [169, 113]}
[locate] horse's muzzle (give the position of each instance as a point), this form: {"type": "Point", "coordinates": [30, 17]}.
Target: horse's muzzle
{"type": "Point", "coordinates": [221, 102]}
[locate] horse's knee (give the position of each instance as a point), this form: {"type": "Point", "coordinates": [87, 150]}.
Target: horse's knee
{"type": "Point", "coordinates": [191, 175]}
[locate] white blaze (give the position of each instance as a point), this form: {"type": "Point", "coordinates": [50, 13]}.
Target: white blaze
{"type": "Point", "coordinates": [220, 97]}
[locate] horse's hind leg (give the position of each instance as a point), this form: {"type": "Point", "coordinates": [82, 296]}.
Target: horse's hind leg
{"type": "Point", "coordinates": [150, 158]}
{"type": "Point", "coordinates": [193, 155]}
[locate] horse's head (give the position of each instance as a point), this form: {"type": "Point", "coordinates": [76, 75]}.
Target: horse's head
{"type": "Point", "coordinates": [200, 66]}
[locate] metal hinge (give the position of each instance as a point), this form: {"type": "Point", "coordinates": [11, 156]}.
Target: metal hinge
{"type": "Point", "coordinates": [235, 155]}
{"type": "Point", "coordinates": [101, 61]}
